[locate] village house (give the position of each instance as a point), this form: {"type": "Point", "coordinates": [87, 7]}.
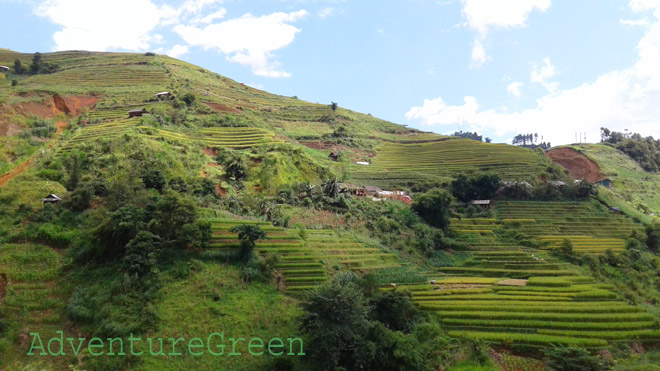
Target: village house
{"type": "Point", "coordinates": [51, 199]}
{"type": "Point", "coordinates": [163, 95]}
{"type": "Point", "coordinates": [137, 112]}
{"type": "Point", "coordinates": [605, 182]}
{"type": "Point", "coordinates": [484, 204]}
{"type": "Point", "coordinates": [334, 156]}
{"type": "Point", "coordinates": [4, 69]}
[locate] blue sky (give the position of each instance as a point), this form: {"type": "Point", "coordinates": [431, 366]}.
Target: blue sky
{"type": "Point", "coordinates": [555, 67]}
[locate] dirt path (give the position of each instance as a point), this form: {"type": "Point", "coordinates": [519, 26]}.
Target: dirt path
{"type": "Point", "coordinates": [20, 169]}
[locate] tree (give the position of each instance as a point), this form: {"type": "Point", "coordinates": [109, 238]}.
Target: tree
{"type": "Point", "coordinates": [335, 322]}
{"type": "Point", "coordinates": [248, 234]}
{"type": "Point", "coordinates": [235, 165]}
{"type": "Point", "coordinates": [140, 255]}
{"type": "Point", "coordinates": [37, 64]}
{"type": "Point", "coordinates": [189, 99]}
{"type": "Point", "coordinates": [18, 67]}
{"type": "Point", "coordinates": [653, 237]}
{"type": "Point", "coordinates": [481, 187]}
{"type": "Point", "coordinates": [333, 106]}
{"type": "Point", "coordinates": [154, 179]}
{"type": "Point", "coordinates": [331, 188]}
{"type": "Point", "coordinates": [434, 207]}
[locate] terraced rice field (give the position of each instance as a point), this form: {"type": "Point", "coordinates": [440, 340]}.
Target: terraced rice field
{"type": "Point", "coordinates": [232, 137]}
{"type": "Point", "coordinates": [548, 304]}
{"type": "Point", "coordinates": [96, 131]}
{"type": "Point", "coordinates": [305, 263]}
{"type": "Point", "coordinates": [589, 226]}
{"type": "Point", "coordinates": [401, 163]}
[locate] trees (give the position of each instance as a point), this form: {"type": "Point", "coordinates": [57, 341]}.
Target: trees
{"type": "Point", "coordinates": [18, 67]}
{"type": "Point", "coordinates": [234, 164]}
{"type": "Point", "coordinates": [335, 323]}
{"type": "Point", "coordinates": [333, 106]}
{"type": "Point", "coordinates": [481, 187]}
{"type": "Point", "coordinates": [248, 234]}
{"type": "Point", "coordinates": [37, 64]}
{"type": "Point", "coordinates": [434, 207]}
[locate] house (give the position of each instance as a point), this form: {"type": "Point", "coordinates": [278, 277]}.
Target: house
{"type": "Point", "coordinates": [51, 198]}
{"type": "Point", "coordinates": [605, 182]}
{"type": "Point", "coordinates": [484, 204]}
{"type": "Point", "coordinates": [372, 190]}
{"type": "Point", "coordinates": [334, 156]}
{"type": "Point", "coordinates": [137, 112]}
{"type": "Point", "coordinates": [163, 94]}
{"type": "Point", "coordinates": [4, 69]}
{"type": "Point", "coordinates": [362, 163]}
{"type": "Point", "coordinates": [615, 210]}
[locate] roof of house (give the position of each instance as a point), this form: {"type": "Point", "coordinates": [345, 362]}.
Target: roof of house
{"type": "Point", "coordinates": [4, 67]}
{"type": "Point", "coordinates": [138, 110]}
{"type": "Point", "coordinates": [163, 93]}
{"type": "Point", "coordinates": [480, 202]}
{"type": "Point", "coordinates": [52, 197]}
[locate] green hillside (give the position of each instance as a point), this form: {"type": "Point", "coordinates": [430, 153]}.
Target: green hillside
{"type": "Point", "coordinates": [219, 209]}
{"type": "Point", "coordinates": [633, 189]}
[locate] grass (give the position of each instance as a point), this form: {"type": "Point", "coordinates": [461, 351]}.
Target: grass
{"type": "Point", "coordinates": [220, 302]}
{"type": "Point", "coordinates": [35, 300]}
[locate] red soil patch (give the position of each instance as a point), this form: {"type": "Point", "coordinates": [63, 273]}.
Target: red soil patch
{"type": "Point", "coordinates": [8, 129]}
{"type": "Point", "coordinates": [221, 191]}
{"type": "Point", "coordinates": [61, 125]}
{"type": "Point", "coordinates": [203, 173]}
{"type": "Point", "coordinates": [73, 105]}
{"type": "Point", "coordinates": [212, 164]}
{"type": "Point", "coordinates": [578, 165]}
{"type": "Point", "coordinates": [211, 151]}
{"type": "Point", "coordinates": [4, 179]}
{"type": "Point", "coordinates": [222, 108]}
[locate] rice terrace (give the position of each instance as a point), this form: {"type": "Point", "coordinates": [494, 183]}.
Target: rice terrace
{"type": "Point", "coordinates": [228, 228]}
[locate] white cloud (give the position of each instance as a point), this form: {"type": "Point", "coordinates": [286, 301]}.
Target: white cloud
{"type": "Point", "coordinates": [514, 88]}
{"type": "Point", "coordinates": [213, 16]}
{"type": "Point", "coordinates": [478, 54]}
{"type": "Point", "coordinates": [620, 99]}
{"type": "Point", "coordinates": [483, 15]}
{"type": "Point", "coordinates": [177, 51]}
{"type": "Point", "coordinates": [248, 40]}
{"type": "Point", "coordinates": [541, 75]}
{"type": "Point", "coordinates": [326, 12]}
{"type": "Point", "coordinates": [634, 22]}
{"type": "Point", "coordinates": [119, 24]}
{"type": "Point", "coordinates": [103, 25]}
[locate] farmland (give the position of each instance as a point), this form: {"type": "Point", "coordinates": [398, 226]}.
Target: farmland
{"type": "Point", "coordinates": [159, 180]}
{"type": "Point", "coordinates": [397, 164]}
{"type": "Point", "coordinates": [548, 304]}
{"type": "Point", "coordinates": [308, 258]}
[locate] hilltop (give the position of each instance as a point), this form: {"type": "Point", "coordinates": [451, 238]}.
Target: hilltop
{"type": "Point", "coordinates": [213, 206]}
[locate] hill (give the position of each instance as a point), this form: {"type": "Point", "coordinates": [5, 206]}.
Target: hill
{"type": "Point", "coordinates": [217, 206]}
{"type": "Point", "coordinates": [633, 189]}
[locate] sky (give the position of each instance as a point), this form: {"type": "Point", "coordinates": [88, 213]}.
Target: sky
{"type": "Point", "coordinates": [498, 67]}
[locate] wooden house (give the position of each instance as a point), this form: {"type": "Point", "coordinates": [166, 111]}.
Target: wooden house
{"type": "Point", "coordinates": [4, 69]}
{"type": "Point", "coordinates": [163, 95]}
{"type": "Point", "coordinates": [334, 156]}
{"type": "Point", "coordinates": [137, 112]}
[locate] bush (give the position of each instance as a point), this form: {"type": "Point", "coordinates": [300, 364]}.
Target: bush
{"type": "Point", "coordinates": [573, 359]}
{"type": "Point", "coordinates": [433, 207]}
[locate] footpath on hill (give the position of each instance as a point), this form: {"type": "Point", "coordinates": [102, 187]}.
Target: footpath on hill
{"type": "Point", "coordinates": [20, 169]}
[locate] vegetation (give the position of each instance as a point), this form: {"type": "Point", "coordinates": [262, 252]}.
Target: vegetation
{"type": "Point", "coordinates": [222, 210]}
